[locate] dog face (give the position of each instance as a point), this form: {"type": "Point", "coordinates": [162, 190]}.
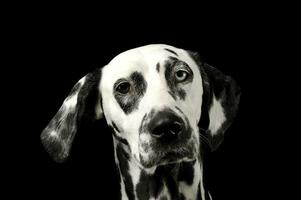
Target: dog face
{"type": "Point", "coordinates": [149, 96]}
{"type": "Point", "coordinates": [156, 98]}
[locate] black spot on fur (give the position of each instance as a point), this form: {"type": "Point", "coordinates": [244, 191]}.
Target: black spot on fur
{"type": "Point", "coordinates": [118, 179]}
{"type": "Point", "coordinates": [171, 51]}
{"type": "Point", "coordinates": [149, 185]}
{"type": "Point", "coordinates": [123, 159]}
{"type": "Point", "coordinates": [179, 110]}
{"type": "Point", "coordinates": [175, 89]}
{"type": "Point", "coordinates": [158, 67]}
{"type": "Point", "coordinates": [118, 138]}
{"type": "Point", "coordinates": [170, 181]}
{"type": "Point", "coordinates": [152, 185]}
{"type": "Point", "coordinates": [129, 102]}
{"type": "Point", "coordinates": [142, 124]}
{"type": "Point", "coordinates": [142, 188]}
{"type": "Point", "coordinates": [186, 172]}
{"type": "Point", "coordinates": [115, 127]}
{"type": "Point", "coordinates": [173, 95]}
{"type": "Point", "coordinates": [182, 94]}
{"type": "Point", "coordinates": [182, 197]}
{"type": "Point", "coordinates": [199, 195]}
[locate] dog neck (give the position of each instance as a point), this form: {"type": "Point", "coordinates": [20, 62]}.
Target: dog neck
{"type": "Point", "coordinates": [174, 181]}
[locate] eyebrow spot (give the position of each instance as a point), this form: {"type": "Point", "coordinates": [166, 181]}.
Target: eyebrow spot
{"type": "Point", "coordinates": [158, 67]}
{"type": "Point", "coordinates": [115, 127]}
{"type": "Point", "coordinates": [171, 51]}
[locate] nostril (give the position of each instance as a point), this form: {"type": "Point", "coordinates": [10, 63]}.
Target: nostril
{"type": "Point", "coordinates": [171, 129]}
{"type": "Point", "coordinates": [159, 131]}
{"type": "Point", "coordinates": [176, 128]}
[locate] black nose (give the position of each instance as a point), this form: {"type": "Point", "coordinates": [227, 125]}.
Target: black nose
{"type": "Point", "coordinates": [166, 125]}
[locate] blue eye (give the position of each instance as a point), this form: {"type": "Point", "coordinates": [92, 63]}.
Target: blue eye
{"type": "Point", "coordinates": [181, 75]}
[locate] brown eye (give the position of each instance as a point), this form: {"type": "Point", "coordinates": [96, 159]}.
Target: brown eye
{"type": "Point", "coordinates": [181, 75]}
{"type": "Point", "coordinates": [123, 88]}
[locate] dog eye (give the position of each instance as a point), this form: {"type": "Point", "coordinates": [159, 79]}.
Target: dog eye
{"type": "Point", "coordinates": [181, 75]}
{"type": "Point", "coordinates": [123, 87]}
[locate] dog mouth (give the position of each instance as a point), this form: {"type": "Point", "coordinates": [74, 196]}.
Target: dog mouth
{"type": "Point", "coordinates": [173, 155]}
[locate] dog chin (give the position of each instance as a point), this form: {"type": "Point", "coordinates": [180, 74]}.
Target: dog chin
{"type": "Point", "coordinates": [167, 158]}
{"type": "Point", "coordinates": [173, 159]}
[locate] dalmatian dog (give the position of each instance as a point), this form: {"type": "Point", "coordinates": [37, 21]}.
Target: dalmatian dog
{"type": "Point", "coordinates": [164, 104]}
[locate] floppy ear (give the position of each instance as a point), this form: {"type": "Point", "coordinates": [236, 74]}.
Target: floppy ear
{"type": "Point", "coordinates": [83, 104]}
{"type": "Point", "coordinates": [221, 98]}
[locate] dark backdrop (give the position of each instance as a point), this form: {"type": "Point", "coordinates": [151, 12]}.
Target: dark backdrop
{"type": "Point", "coordinates": [53, 49]}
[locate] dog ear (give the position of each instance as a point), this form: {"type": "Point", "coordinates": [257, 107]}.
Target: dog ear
{"type": "Point", "coordinates": [221, 97]}
{"type": "Point", "coordinates": [83, 104]}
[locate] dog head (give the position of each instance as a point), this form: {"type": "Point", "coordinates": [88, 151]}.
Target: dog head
{"type": "Point", "coordinates": [157, 98]}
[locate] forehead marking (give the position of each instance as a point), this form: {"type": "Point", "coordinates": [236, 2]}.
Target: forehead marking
{"type": "Point", "coordinates": [115, 127]}
{"type": "Point", "coordinates": [158, 67]}
{"type": "Point", "coordinates": [171, 51]}
{"type": "Point", "coordinates": [173, 58]}
{"type": "Point", "coordinates": [120, 139]}
{"type": "Point", "coordinates": [179, 110]}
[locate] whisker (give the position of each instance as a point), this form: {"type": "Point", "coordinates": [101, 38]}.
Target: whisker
{"type": "Point", "coordinates": [205, 139]}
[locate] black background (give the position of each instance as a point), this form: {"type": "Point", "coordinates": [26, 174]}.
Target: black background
{"type": "Point", "coordinates": [51, 48]}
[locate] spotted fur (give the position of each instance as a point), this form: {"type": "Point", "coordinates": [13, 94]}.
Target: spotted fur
{"type": "Point", "coordinates": [150, 167]}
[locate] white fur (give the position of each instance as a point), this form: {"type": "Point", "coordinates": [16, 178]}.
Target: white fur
{"type": "Point", "coordinates": [202, 189]}
{"type": "Point", "coordinates": [71, 101]}
{"type": "Point", "coordinates": [216, 115]}
{"type": "Point", "coordinates": [135, 172]}
{"type": "Point", "coordinates": [53, 133]}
